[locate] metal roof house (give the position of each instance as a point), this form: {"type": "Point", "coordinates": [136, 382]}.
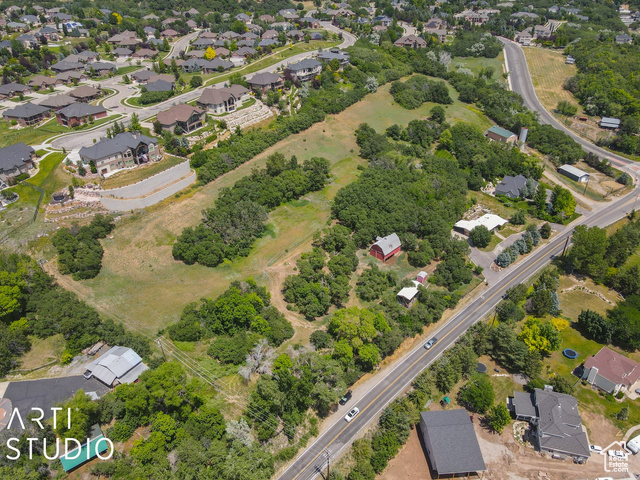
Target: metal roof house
{"type": "Point", "coordinates": [116, 366]}
{"type": "Point", "coordinates": [610, 371]}
{"type": "Point", "coordinates": [556, 422]}
{"type": "Point", "coordinates": [489, 220]}
{"type": "Point", "coordinates": [451, 442]}
{"type": "Point", "coordinates": [574, 173]}
{"type": "Point", "coordinates": [385, 247]}
{"type": "Point", "coordinates": [501, 135]}
{"type": "Point", "coordinates": [407, 296]}
{"type": "Point", "coordinates": [608, 122]}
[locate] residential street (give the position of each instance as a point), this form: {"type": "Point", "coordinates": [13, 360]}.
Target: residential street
{"type": "Point", "coordinates": [113, 103]}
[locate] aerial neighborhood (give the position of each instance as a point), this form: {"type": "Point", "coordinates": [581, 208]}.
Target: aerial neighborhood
{"type": "Point", "coordinates": [350, 241]}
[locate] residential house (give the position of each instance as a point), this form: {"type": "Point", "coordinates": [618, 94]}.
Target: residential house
{"type": "Point", "coordinates": [205, 66]}
{"type": "Point", "coordinates": [244, 18]}
{"type": "Point", "coordinates": [183, 115]}
{"type": "Point", "coordinates": [219, 101]}
{"type": "Point", "coordinates": [408, 295]}
{"type": "Point", "coordinates": [266, 18]}
{"type": "Point", "coordinates": [525, 15]}
{"type": "Point", "coordinates": [512, 186]}
{"type": "Point", "coordinates": [122, 151]}
{"type": "Point", "coordinates": [451, 443]}
{"type": "Point", "coordinates": [202, 43]}
{"type": "Point", "coordinates": [385, 247]}
{"type": "Point", "coordinates": [245, 52]}
{"type": "Point", "coordinates": [28, 40]}
{"type": "Point", "coordinates": [9, 90]}
{"type": "Point", "coordinates": [143, 53]}
{"type": "Point", "coordinates": [85, 93]}
{"type": "Point", "coordinates": [412, 41]}
{"type": "Point", "coordinates": [194, 54]}
{"type": "Point", "coordinates": [328, 55]}
{"type": "Point", "coordinates": [119, 365]}
{"type": "Point", "coordinates": [229, 35]}
{"type": "Point", "coordinates": [31, 20]}
{"type": "Point", "coordinates": [439, 33]}
{"type": "Point", "coordinates": [500, 134]}
{"type": "Point", "coordinates": [26, 114]}
{"type": "Point", "coordinates": [159, 86]}
{"type": "Point", "coordinates": [15, 160]}
{"type": "Point", "coordinates": [169, 21]}
{"type": "Point", "coordinates": [309, 22]}
{"type": "Point", "coordinates": [122, 52]}
{"type": "Point", "coordinates": [489, 220]}
{"type": "Point", "coordinates": [191, 24]}
{"type": "Point", "coordinates": [267, 43]}
{"type": "Point", "coordinates": [270, 35]}
{"type": "Point", "coordinates": [266, 81]}
{"type": "Point", "coordinates": [102, 68]}
{"type": "Point", "coordinates": [383, 20]}
{"type": "Point", "coordinates": [555, 422]}
{"type": "Point", "coordinates": [574, 173]}
{"type": "Point", "coordinates": [208, 34]}
{"type": "Point", "coordinates": [40, 82]}
{"type": "Point", "coordinates": [50, 33]}
{"type": "Point", "coordinates": [150, 31]}
{"type": "Point", "coordinates": [524, 38]}
{"type": "Point", "coordinates": [624, 39]}
{"type": "Point", "coordinates": [169, 33]}
{"type": "Point", "coordinates": [541, 32]}
{"type": "Point", "coordinates": [289, 14]}
{"type": "Point", "coordinates": [56, 102]}
{"type": "Point", "coordinates": [611, 372]}
{"type": "Point", "coordinates": [297, 35]}
{"type": "Point", "coordinates": [17, 26]}
{"type": "Point", "coordinates": [64, 66]}
{"type": "Point", "coordinates": [79, 113]}
{"type": "Point", "coordinates": [305, 70]}
{"type": "Point", "coordinates": [71, 76]}
{"type": "Point", "coordinates": [192, 12]}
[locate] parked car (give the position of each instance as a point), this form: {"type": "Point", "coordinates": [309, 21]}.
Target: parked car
{"type": "Point", "coordinates": [352, 414]}
{"type": "Point", "coordinates": [347, 396]}
{"type": "Point", "coordinates": [595, 448]}
{"type": "Point", "coordinates": [430, 343]}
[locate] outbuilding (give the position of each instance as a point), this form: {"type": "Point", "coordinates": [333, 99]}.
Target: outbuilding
{"type": "Point", "coordinates": [451, 443]}
{"type": "Point", "coordinates": [608, 122]}
{"type": "Point", "coordinates": [407, 296]}
{"type": "Point", "coordinates": [574, 173]}
{"type": "Point", "coordinates": [500, 134]}
{"type": "Point", "coordinates": [385, 247]}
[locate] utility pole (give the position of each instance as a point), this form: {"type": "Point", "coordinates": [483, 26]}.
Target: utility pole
{"type": "Point", "coordinates": [585, 187]}
{"type": "Point", "coordinates": [565, 245]}
{"type": "Point", "coordinates": [327, 455]}
{"type": "Point", "coordinates": [159, 342]}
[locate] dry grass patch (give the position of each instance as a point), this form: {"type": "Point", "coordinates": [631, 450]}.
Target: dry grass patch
{"type": "Point", "coordinates": [548, 73]}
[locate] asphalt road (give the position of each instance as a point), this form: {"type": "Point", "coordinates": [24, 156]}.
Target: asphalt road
{"type": "Point", "coordinates": [86, 138]}
{"type": "Point", "coordinates": [340, 434]}
{"type": "Point", "coordinates": [520, 80]}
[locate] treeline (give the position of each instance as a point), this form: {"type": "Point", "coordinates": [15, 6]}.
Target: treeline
{"type": "Point", "coordinates": [33, 304]}
{"type": "Point", "coordinates": [79, 249]}
{"type": "Point", "coordinates": [418, 90]}
{"type": "Point", "coordinates": [240, 213]}
{"type": "Point", "coordinates": [604, 258]}
{"type": "Point", "coordinates": [238, 319]}
{"type": "Point", "coordinates": [475, 43]}
{"type": "Point", "coordinates": [508, 110]}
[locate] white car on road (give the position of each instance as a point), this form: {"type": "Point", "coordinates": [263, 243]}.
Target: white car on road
{"type": "Point", "coordinates": [352, 414]}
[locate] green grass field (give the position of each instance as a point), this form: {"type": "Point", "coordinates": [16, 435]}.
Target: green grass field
{"type": "Point", "coordinates": [140, 252]}
{"type": "Point", "coordinates": [127, 177]}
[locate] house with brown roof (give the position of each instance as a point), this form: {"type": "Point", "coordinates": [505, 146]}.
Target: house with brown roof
{"type": "Point", "coordinates": [169, 33]}
{"type": "Point", "coordinates": [85, 93]}
{"type": "Point", "coordinates": [69, 77]}
{"type": "Point", "coordinates": [143, 53]}
{"type": "Point", "coordinates": [223, 100]}
{"type": "Point", "coordinates": [610, 371]}
{"type": "Point", "coordinates": [40, 81]}
{"type": "Point", "coordinates": [412, 41]}
{"type": "Point", "coordinates": [183, 115]}
{"type": "Point", "coordinates": [266, 81]}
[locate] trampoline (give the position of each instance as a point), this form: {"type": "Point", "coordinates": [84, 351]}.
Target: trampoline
{"type": "Point", "coordinates": [570, 353]}
{"type": "Point", "coordinates": [481, 368]}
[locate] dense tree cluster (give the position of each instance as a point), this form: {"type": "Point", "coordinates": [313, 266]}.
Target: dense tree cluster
{"type": "Point", "coordinates": [418, 90]}
{"type": "Point", "coordinates": [373, 282]}
{"type": "Point", "coordinates": [32, 304]}
{"type": "Point", "coordinates": [313, 290]}
{"type": "Point", "coordinates": [238, 319]}
{"type": "Point", "coordinates": [79, 249]}
{"type": "Point", "coordinates": [239, 214]}
{"type": "Point", "coordinates": [475, 43]}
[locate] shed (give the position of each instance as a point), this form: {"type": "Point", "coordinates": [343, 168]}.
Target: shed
{"type": "Point", "coordinates": [87, 451]}
{"type": "Point", "coordinates": [451, 443]}
{"type": "Point", "coordinates": [501, 134]}
{"type": "Point", "coordinates": [422, 276]}
{"type": "Point", "coordinates": [608, 122]}
{"type": "Point", "coordinates": [118, 365]}
{"type": "Point", "coordinates": [385, 247]}
{"type": "Point", "coordinates": [574, 173]}
{"type": "Point", "coordinates": [407, 296]}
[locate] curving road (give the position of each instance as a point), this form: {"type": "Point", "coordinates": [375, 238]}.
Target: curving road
{"type": "Point", "coordinates": [521, 83]}
{"type": "Point", "coordinates": [339, 434]}
{"type": "Point", "coordinates": [75, 141]}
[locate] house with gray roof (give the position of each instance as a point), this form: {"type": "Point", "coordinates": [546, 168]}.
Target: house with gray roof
{"type": "Point", "coordinates": [512, 186]}
{"type": "Point", "coordinates": [205, 66]}
{"type": "Point", "coordinates": [122, 151]}
{"type": "Point", "coordinates": [159, 85]}
{"type": "Point", "coordinates": [9, 90]}
{"type": "Point", "coordinates": [102, 68]}
{"type": "Point", "coordinates": [65, 66]}
{"type": "Point", "coordinates": [451, 443]}
{"type": "Point", "coordinates": [555, 421]}
{"type": "Point", "coordinates": [267, 42]}
{"type": "Point", "coordinates": [26, 114]}
{"type": "Point", "coordinates": [79, 113]}
{"type": "Point", "coordinates": [305, 70]}
{"type": "Point", "coordinates": [119, 365]}
{"type": "Point", "coordinates": [15, 160]}
{"type": "Point", "coordinates": [328, 55]}
{"type": "Point", "coordinates": [202, 43]}
{"type": "Point", "coordinates": [574, 173]}
{"type": "Point", "coordinates": [624, 39]}
{"type": "Point", "coordinates": [56, 102]}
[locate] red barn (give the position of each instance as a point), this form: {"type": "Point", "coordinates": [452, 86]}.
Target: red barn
{"type": "Point", "coordinates": [385, 247]}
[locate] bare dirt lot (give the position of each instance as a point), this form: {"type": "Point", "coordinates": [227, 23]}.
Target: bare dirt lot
{"type": "Point", "coordinates": [508, 459]}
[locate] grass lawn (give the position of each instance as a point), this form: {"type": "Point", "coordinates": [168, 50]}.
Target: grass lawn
{"type": "Point", "coordinates": [140, 252]}
{"type": "Point", "coordinates": [475, 64]}
{"type": "Point", "coordinates": [548, 73]}
{"type": "Point", "coordinates": [127, 177]}
{"type": "Point", "coordinates": [495, 240]}
{"type": "Point", "coordinates": [493, 204]}
{"type": "Point", "coordinates": [128, 69]}
{"type": "Point", "coordinates": [17, 99]}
